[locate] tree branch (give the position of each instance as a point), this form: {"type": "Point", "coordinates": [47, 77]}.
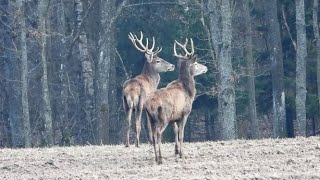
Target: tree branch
{"type": "Point", "coordinates": [122, 64]}
{"type": "Point", "coordinates": [287, 27]}
{"type": "Point", "coordinates": [150, 3]}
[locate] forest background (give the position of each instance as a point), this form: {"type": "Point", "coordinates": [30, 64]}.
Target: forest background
{"type": "Point", "coordinates": [63, 63]}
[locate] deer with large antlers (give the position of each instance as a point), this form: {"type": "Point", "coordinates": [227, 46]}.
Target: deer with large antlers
{"type": "Point", "coordinates": [174, 102]}
{"type": "Point", "coordinates": [135, 90]}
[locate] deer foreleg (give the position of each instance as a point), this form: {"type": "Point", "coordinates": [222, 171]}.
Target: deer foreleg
{"type": "Point", "coordinates": [176, 134]}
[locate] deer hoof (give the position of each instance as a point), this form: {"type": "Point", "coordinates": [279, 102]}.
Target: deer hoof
{"type": "Point", "coordinates": [176, 152]}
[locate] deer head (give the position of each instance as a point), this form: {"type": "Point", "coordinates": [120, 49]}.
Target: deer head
{"type": "Point", "coordinates": [157, 63]}
{"type": "Point", "coordinates": [189, 58]}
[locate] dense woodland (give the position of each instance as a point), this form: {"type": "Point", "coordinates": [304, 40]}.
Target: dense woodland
{"type": "Point", "coordinates": [63, 63]}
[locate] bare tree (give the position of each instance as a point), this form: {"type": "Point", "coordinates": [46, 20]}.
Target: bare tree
{"type": "Point", "coordinates": [301, 90]}
{"type": "Point", "coordinates": [226, 75]}
{"type": "Point", "coordinates": [42, 28]}
{"type": "Point", "coordinates": [254, 125]}
{"type": "Point", "coordinates": [109, 14]}
{"type": "Point", "coordinates": [317, 39]}
{"type": "Point", "coordinates": [11, 73]}
{"type": "Point", "coordinates": [275, 49]}
{"type": "Point", "coordinates": [87, 76]}
{"type": "Point", "coordinates": [63, 106]}
{"type": "Point", "coordinates": [214, 12]}
{"type": "Point", "coordinates": [24, 74]}
{"type": "Point", "coordinates": [221, 35]}
{"type": "Point", "coordinates": [103, 72]}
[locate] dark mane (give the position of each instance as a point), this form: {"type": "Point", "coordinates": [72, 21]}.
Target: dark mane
{"type": "Point", "coordinates": [186, 78]}
{"type": "Point", "coordinates": [149, 72]}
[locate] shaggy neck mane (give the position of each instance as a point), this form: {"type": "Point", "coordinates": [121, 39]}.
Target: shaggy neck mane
{"type": "Point", "coordinates": [150, 74]}
{"type": "Point", "coordinates": [187, 79]}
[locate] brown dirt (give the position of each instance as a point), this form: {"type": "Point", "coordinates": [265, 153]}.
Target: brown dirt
{"type": "Point", "coordinates": [297, 158]}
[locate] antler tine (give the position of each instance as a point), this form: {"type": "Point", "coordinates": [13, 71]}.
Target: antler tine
{"type": "Point", "coordinates": [141, 43]}
{"type": "Point", "coordinates": [158, 50]}
{"type": "Point", "coordinates": [141, 36]}
{"type": "Point", "coordinates": [178, 43]}
{"type": "Point", "coordinates": [131, 37]}
{"type": "Point", "coordinates": [153, 43]}
{"type": "Point", "coordinates": [147, 45]}
{"type": "Point", "coordinates": [192, 47]}
{"type": "Point", "coordinates": [184, 47]}
{"type": "Point", "coordinates": [185, 44]}
{"type": "Point", "coordinates": [175, 49]}
{"type": "Point", "coordinates": [143, 48]}
{"type": "Point", "coordinates": [134, 40]}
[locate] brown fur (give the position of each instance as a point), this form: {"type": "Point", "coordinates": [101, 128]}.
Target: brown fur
{"type": "Point", "coordinates": [172, 104]}
{"type": "Point", "coordinates": [135, 91]}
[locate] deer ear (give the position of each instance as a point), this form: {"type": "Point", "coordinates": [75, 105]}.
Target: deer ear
{"type": "Point", "coordinates": [193, 59]}
{"type": "Point", "coordinates": [149, 57]}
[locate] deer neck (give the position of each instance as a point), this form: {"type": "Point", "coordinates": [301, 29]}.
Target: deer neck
{"type": "Point", "coordinates": [188, 82]}
{"type": "Point", "coordinates": [153, 76]}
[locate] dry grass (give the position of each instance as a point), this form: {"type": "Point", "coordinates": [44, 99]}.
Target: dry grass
{"type": "Point", "coordinates": [297, 158]}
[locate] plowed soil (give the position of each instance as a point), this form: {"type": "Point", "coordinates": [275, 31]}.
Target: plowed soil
{"type": "Point", "coordinates": [297, 158]}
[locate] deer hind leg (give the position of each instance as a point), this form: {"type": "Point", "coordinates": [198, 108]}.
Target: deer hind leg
{"type": "Point", "coordinates": [149, 129]}
{"type": "Point", "coordinates": [155, 141]}
{"type": "Point", "coordinates": [159, 145]}
{"type": "Point", "coordinates": [181, 134]}
{"type": "Point", "coordinates": [153, 132]}
{"type": "Point", "coordinates": [128, 111]}
{"type": "Point", "coordinates": [138, 124]}
{"type": "Point", "coordinates": [160, 130]}
{"type": "Point", "coordinates": [128, 127]}
{"type": "Point", "coordinates": [176, 135]}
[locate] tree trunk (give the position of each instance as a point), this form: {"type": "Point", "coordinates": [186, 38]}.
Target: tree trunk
{"type": "Point", "coordinates": [63, 106]}
{"type": "Point", "coordinates": [24, 74]}
{"type": "Point", "coordinates": [214, 12]}
{"type": "Point", "coordinates": [103, 72]}
{"type": "Point", "coordinates": [275, 49]}
{"type": "Point", "coordinates": [301, 90]}
{"type": "Point", "coordinates": [12, 74]}
{"type": "Point", "coordinates": [109, 14]}
{"type": "Point", "coordinates": [114, 102]}
{"type": "Point", "coordinates": [317, 38]}
{"type": "Point", "coordinates": [47, 114]}
{"type": "Point", "coordinates": [254, 124]}
{"type": "Point", "coordinates": [226, 74]}
{"type": "Point", "coordinates": [3, 93]}
{"type": "Point", "coordinates": [87, 132]}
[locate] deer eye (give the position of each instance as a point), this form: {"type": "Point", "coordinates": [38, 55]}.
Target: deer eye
{"type": "Point", "coordinates": [158, 61]}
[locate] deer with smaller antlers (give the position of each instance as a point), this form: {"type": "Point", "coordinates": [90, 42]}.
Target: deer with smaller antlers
{"type": "Point", "coordinates": [174, 102]}
{"type": "Point", "coordinates": [135, 90]}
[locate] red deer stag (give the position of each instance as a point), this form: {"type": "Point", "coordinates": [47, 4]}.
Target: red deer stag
{"type": "Point", "coordinates": [174, 102]}
{"type": "Point", "coordinates": [136, 89]}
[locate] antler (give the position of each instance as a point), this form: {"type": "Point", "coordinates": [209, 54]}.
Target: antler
{"type": "Point", "coordinates": [184, 47]}
{"type": "Point", "coordinates": [144, 48]}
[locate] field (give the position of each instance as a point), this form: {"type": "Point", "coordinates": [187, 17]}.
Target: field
{"type": "Point", "coordinates": [297, 158]}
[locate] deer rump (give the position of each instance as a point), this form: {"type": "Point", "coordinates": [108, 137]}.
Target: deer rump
{"type": "Point", "coordinates": [168, 104]}
{"type": "Point", "coordinates": [133, 94]}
